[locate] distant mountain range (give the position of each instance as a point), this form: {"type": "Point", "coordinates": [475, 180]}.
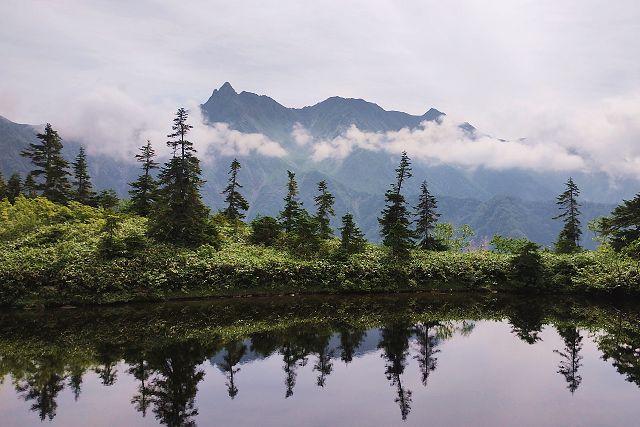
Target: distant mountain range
{"type": "Point", "coordinates": [510, 202]}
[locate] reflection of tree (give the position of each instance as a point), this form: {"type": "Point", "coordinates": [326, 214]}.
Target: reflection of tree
{"type": "Point", "coordinates": [350, 340]}
{"type": "Point", "coordinates": [395, 349]}
{"type": "Point", "coordinates": [175, 383]}
{"type": "Point", "coordinates": [621, 344]}
{"type": "Point", "coordinates": [427, 340]}
{"type": "Point", "coordinates": [293, 355]}
{"type": "Point", "coordinates": [42, 385]}
{"type": "Point", "coordinates": [108, 357]}
{"type": "Point", "coordinates": [141, 372]}
{"type": "Point", "coordinates": [233, 353]}
{"type": "Point", "coordinates": [571, 357]}
{"type": "Point", "coordinates": [526, 322]}
{"type": "Point", "coordinates": [320, 346]}
{"type": "Point", "coordinates": [75, 381]}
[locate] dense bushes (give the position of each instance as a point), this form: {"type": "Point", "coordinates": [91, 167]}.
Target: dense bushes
{"type": "Point", "coordinates": [76, 254]}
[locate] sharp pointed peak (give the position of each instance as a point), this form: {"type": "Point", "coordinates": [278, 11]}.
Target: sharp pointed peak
{"type": "Point", "coordinates": [226, 87]}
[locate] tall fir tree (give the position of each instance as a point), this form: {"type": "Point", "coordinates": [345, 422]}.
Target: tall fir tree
{"type": "Point", "coordinates": [30, 188]}
{"type": "Point", "coordinates": [47, 157]}
{"type": "Point", "coordinates": [324, 210]}
{"type": "Point", "coordinates": [14, 187]}
{"type": "Point", "coordinates": [622, 226]}
{"type": "Point", "coordinates": [351, 238]}
{"type": "Point", "coordinates": [395, 218]}
{"type": "Point", "coordinates": [3, 187]}
{"type": "Point", "coordinates": [569, 238]}
{"type": "Point", "coordinates": [181, 217]}
{"type": "Point", "coordinates": [82, 188]}
{"type": "Point", "coordinates": [144, 190]}
{"type": "Point", "coordinates": [292, 206]}
{"type": "Point", "coordinates": [234, 200]}
{"type": "Point", "coordinates": [426, 219]}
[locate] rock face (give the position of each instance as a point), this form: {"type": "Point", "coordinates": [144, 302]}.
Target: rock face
{"type": "Point", "coordinates": [510, 202]}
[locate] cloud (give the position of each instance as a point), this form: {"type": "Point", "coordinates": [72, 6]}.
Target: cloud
{"type": "Point", "coordinates": [108, 121]}
{"type": "Point", "coordinates": [443, 141]}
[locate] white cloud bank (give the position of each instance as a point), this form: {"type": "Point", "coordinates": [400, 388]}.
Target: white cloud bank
{"type": "Point", "coordinates": [110, 122]}
{"type": "Point", "coordinates": [600, 138]}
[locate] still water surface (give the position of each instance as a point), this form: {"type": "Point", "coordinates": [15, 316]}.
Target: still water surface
{"type": "Point", "coordinates": [324, 361]}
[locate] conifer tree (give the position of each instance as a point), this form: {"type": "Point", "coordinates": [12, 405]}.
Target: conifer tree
{"type": "Point", "coordinates": [14, 187]}
{"type": "Point", "coordinates": [427, 217]}
{"type": "Point", "coordinates": [107, 199]}
{"type": "Point", "coordinates": [569, 238]}
{"type": "Point", "coordinates": [324, 210]}
{"type": "Point", "coordinates": [30, 187]}
{"type": "Point", "coordinates": [234, 200]}
{"type": "Point", "coordinates": [82, 187]}
{"type": "Point", "coordinates": [144, 190]}
{"type": "Point", "coordinates": [292, 206]}
{"type": "Point", "coordinates": [3, 187]}
{"type": "Point", "coordinates": [181, 217]}
{"type": "Point", "coordinates": [351, 238]}
{"type": "Point", "coordinates": [46, 156]}
{"type": "Point", "coordinates": [623, 226]}
{"type": "Point", "coordinates": [394, 220]}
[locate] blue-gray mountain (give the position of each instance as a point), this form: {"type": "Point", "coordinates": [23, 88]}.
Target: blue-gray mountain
{"type": "Point", "coordinates": [512, 202]}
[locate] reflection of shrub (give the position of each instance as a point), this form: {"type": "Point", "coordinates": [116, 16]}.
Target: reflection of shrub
{"type": "Point", "coordinates": [527, 264]}
{"type": "Point", "coordinates": [265, 231]}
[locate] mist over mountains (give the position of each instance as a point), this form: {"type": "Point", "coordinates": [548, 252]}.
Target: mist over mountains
{"type": "Point", "coordinates": [354, 145]}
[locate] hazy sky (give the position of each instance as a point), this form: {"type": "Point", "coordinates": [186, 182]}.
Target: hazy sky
{"type": "Point", "coordinates": [513, 68]}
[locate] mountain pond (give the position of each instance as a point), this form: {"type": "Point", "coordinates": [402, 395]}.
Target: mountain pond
{"type": "Point", "coordinates": [384, 360]}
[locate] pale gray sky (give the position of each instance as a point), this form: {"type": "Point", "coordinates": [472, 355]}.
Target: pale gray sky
{"type": "Point", "coordinates": [535, 68]}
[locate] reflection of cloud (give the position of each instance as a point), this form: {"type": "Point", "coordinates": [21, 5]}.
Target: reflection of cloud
{"type": "Point", "coordinates": [108, 121]}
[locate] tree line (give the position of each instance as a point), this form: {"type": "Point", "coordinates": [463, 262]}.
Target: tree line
{"type": "Point", "coordinates": [169, 195]}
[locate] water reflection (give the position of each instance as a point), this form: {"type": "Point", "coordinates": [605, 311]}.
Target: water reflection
{"type": "Point", "coordinates": [164, 348]}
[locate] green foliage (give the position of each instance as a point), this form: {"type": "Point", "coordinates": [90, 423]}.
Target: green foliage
{"type": "Point", "coordinates": [107, 199]}
{"type": "Point", "coordinates": [508, 245]}
{"type": "Point", "coordinates": [622, 227]}
{"type": "Point", "coordinates": [324, 210]}
{"type": "Point", "coordinates": [30, 188]}
{"type": "Point", "coordinates": [304, 239]}
{"type": "Point", "coordinates": [527, 264]}
{"type": "Point", "coordinates": [292, 206]}
{"type": "Point", "coordinates": [453, 238]}
{"type": "Point", "coordinates": [3, 187]}
{"type": "Point", "coordinates": [352, 240]}
{"type": "Point", "coordinates": [234, 200]}
{"type": "Point", "coordinates": [82, 188]}
{"type": "Point", "coordinates": [14, 187]}
{"type": "Point", "coordinates": [266, 231]}
{"type": "Point", "coordinates": [427, 217]}
{"type": "Point", "coordinates": [144, 190]}
{"type": "Point", "coordinates": [180, 216]}
{"type": "Point", "coordinates": [50, 165]}
{"type": "Point", "coordinates": [569, 238]}
{"type": "Point", "coordinates": [394, 219]}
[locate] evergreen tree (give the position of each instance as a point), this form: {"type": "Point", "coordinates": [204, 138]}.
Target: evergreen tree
{"type": "Point", "coordinates": [83, 190]}
{"type": "Point", "coordinates": [569, 238]}
{"type": "Point", "coordinates": [46, 156]}
{"type": "Point", "coordinates": [144, 189]}
{"type": "Point", "coordinates": [292, 206]}
{"type": "Point", "coordinates": [107, 199]}
{"type": "Point", "coordinates": [394, 220]}
{"type": "Point", "coordinates": [571, 358]}
{"type": "Point", "coordinates": [14, 187]}
{"type": "Point", "coordinates": [181, 216]}
{"type": "Point", "coordinates": [623, 225]}
{"type": "Point", "coordinates": [351, 238]}
{"type": "Point", "coordinates": [304, 239]}
{"type": "Point", "coordinates": [427, 217]}
{"type": "Point", "coordinates": [3, 187]}
{"type": "Point", "coordinates": [234, 200]}
{"type": "Point", "coordinates": [324, 212]}
{"type": "Point", "coordinates": [30, 187]}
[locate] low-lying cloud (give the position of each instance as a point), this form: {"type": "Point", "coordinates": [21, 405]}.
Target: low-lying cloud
{"type": "Point", "coordinates": [110, 122]}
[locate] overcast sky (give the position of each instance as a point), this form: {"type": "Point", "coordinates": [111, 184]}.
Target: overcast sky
{"type": "Point", "coordinates": [513, 68]}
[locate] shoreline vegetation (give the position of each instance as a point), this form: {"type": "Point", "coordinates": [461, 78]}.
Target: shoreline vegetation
{"type": "Point", "coordinates": [61, 242]}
